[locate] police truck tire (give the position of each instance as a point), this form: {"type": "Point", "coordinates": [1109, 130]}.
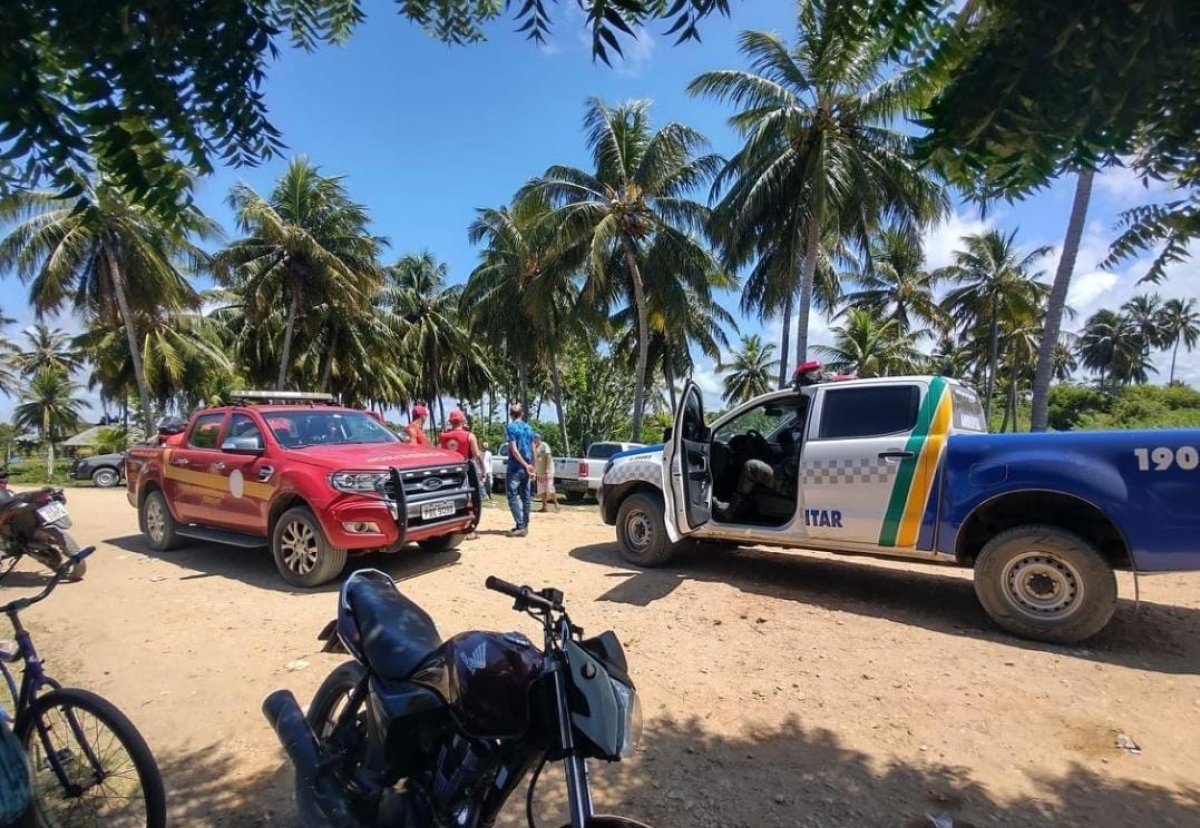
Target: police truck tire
{"type": "Point", "coordinates": [1045, 583]}
{"type": "Point", "coordinates": [303, 555]}
{"type": "Point", "coordinates": [641, 531]}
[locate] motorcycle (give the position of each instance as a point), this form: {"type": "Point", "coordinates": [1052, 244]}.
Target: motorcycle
{"type": "Point", "coordinates": [417, 732]}
{"type": "Point", "coordinates": [35, 524]}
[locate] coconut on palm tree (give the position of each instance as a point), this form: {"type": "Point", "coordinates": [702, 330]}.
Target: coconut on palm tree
{"type": "Point", "coordinates": [49, 404]}
{"type": "Point", "coordinates": [109, 257]}
{"type": "Point", "coordinates": [823, 155]}
{"type": "Point", "coordinates": [637, 195]}
{"type": "Point", "coordinates": [306, 244]}
{"type": "Point", "coordinates": [1179, 322]}
{"type": "Point", "coordinates": [748, 373]}
{"type": "Point", "coordinates": [994, 284]}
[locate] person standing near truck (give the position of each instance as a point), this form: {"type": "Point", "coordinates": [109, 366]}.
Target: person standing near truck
{"type": "Point", "coordinates": [456, 438]}
{"type": "Point", "coordinates": [416, 426]}
{"type": "Point", "coordinates": [519, 469]}
{"type": "Point", "coordinates": [543, 464]}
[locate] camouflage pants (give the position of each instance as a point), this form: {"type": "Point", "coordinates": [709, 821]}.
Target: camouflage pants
{"type": "Point", "coordinates": [758, 473]}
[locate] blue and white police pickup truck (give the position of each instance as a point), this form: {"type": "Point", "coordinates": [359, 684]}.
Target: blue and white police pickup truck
{"type": "Point", "coordinates": [904, 467]}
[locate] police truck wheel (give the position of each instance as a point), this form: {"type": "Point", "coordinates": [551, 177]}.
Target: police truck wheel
{"type": "Point", "coordinates": [1045, 583]}
{"type": "Point", "coordinates": [302, 554]}
{"type": "Point", "coordinates": [641, 532]}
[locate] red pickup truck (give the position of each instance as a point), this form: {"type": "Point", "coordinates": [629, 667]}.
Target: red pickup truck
{"type": "Point", "coordinates": [313, 481]}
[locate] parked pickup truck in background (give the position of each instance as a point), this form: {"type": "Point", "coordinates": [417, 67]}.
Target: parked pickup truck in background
{"type": "Point", "coordinates": [903, 467]}
{"type": "Point", "coordinates": [313, 481]}
{"type": "Point", "coordinates": [580, 476]}
{"type": "Point", "coordinates": [575, 477]}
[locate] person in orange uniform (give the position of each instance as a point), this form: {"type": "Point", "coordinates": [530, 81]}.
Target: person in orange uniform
{"type": "Point", "coordinates": [457, 438]}
{"type": "Point", "coordinates": [416, 426]}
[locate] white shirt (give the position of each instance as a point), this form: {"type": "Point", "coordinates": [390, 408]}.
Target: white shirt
{"type": "Point", "coordinates": [487, 462]}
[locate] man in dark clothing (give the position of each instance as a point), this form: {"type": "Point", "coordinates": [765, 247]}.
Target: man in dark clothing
{"type": "Point", "coordinates": [782, 479]}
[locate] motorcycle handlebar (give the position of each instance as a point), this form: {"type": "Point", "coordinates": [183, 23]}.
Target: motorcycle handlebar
{"type": "Point", "coordinates": [523, 595]}
{"type": "Point", "coordinates": [60, 573]}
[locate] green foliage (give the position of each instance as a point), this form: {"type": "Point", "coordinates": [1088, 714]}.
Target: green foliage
{"type": "Point", "coordinates": [32, 472]}
{"type": "Point", "coordinates": [1147, 406]}
{"type": "Point", "coordinates": [148, 93]}
{"type": "Point", "coordinates": [1071, 404]}
{"type": "Point", "coordinates": [749, 373]}
{"type": "Point", "coordinates": [599, 390]}
{"type": "Point", "coordinates": [111, 440]}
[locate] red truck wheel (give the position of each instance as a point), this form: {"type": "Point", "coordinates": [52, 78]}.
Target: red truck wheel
{"type": "Point", "coordinates": [302, 554]}
{"type": "Point", "coordinates": [157, 522]}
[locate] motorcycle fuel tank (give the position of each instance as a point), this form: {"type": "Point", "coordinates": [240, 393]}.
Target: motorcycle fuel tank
{"type": "Point", "coordinates": [485, 679]}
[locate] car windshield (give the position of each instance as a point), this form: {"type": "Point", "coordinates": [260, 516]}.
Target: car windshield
{"type": "Point", "coordinates": [304, 428]}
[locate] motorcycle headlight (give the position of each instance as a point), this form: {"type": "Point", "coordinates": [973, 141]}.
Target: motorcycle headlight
{"type": "Point", "coordinates": [353, 482]}
{"type": "Point", "coordinates": [631, 718]}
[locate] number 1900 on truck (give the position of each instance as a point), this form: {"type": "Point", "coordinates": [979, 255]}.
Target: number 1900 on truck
{"type": "Point", "coordinates": [313, 481]}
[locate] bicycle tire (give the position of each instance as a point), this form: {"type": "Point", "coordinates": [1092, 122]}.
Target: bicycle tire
{"type": "Point", "coordinates": [46, 780]}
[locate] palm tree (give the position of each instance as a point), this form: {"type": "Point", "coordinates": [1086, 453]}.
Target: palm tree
{"type": "Point", "coordinates": [870, 347]}
{"type": "Point", "coordinates": [111, 257]}
{"type": "Point", "coordinates": [48, 348]}
{"type": "Point", "coordinates": [422, 312]}
{"type": "Point", "coordinates": [305, 245]}
{"type": "Point", "coordinates": [1180, 324]}
{"type": "Point", "coordinates": [49, 404]}
{"type": "Point", "coordinates": [749, 373]}
{"type": "Point", "coordinates": [1145, 312]}
{"type": "Point", "coordinates": [637, 195]}
{"type": "Point", "coordinates": [994, 284]}
{"type": "Point", "coordinates": [1112, 344]}
{"type": "Point", "coordinates": [523, 295]}
{"type": "Point", "coordinates": [823, 151]}
{"type": "Point", "coordinates": [896, 285]}
{"type": "Point", "coordinates": [1048, 346]}
{"type": "Point", "coordinates": [8, 357]}
{"type": "Point", "coordinates": [180, 352]}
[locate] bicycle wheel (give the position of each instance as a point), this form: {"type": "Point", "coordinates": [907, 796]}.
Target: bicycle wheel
{"type": "Point", "coordinates": [90, 765]}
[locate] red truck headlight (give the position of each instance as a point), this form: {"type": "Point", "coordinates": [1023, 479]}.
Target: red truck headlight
{"type": "Point", "coordinates": [358, 482]}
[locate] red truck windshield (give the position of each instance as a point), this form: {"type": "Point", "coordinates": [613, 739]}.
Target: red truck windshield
{"type": "Point", "coordinates": [323, 428]}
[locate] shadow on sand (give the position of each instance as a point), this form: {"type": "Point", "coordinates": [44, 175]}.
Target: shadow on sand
{"type": "Point", "coordinates": [685, 777]}
{"type": "Point", "coordinates": [257, 567]}
{"type": "Point", "coordinates": [1157, 637]}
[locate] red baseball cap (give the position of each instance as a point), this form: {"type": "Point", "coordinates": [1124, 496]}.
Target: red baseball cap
{"type": "Point", "coordinates": [419, 411]}
{"type": "Point", "coordinates": [457, 417]}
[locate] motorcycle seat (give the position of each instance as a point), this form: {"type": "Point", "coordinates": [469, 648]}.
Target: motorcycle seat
{"type": "Point", "coordinates": [396, 633]}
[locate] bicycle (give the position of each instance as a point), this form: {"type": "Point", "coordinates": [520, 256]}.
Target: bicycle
{"type": "Point", "coordinates": [90, 765]}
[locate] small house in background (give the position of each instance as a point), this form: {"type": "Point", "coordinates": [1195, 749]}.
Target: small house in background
{"type": "Point", "coordinates": [84, 443]}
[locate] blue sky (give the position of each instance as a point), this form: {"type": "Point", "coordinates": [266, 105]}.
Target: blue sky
{"type": "Point", "coordinates": [425, 133]}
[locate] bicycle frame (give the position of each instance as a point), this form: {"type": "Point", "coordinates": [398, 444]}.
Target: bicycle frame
{"type": "Point", "coordinates": [33, 680]}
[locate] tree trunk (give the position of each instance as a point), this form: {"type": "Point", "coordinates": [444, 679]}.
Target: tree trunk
{"type": "Point", "coordinates": [811, 248]}
{"type": "Point", "coordinates": [1007, 409]}
{"type": "Point", "coordinates": [639, 301]}
{"type": "Point", "coordinates": [785, 341]}
{"type": "Point", "coordinates": [49, 445]}
{"type": "Point", "coordinates": [327, 371]}
{"type": "Point", "coordinates": [556, 380]}
{"type": "Point", "coordinates": [286, 356]}
{"type": "Point", "coordinates": [669, 376]}
{"type": "Point", "coordinates": [1013, 388]}
{"type": "Point", "coordinates": [1052, 325]}
{"type": "Point", "coordinates": [135, 350]}
{"type": "Point", "coordinates": [993, 361]}
{"type": "Point", "coordinates": [1174, 352]}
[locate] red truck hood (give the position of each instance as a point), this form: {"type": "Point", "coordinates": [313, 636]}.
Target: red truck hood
{"type": "Point", "coordinates": [369, 457]}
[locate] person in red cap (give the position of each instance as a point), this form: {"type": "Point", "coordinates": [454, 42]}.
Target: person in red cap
{"type": "Point", "coordinates": [457, 438]}
{"type": "Point", "coordinates": [416, 425]}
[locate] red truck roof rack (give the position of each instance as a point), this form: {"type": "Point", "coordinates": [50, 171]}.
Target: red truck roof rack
{"type": "Point", "coordinates": [279, 398]}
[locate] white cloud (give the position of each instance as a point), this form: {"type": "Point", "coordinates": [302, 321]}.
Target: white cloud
{"type": "Point", "coordinates": [638, 53]}
{"type": "Point", "coordinates": [941, 241]}
{"type": "Point", "coordinates": [1124, 188]}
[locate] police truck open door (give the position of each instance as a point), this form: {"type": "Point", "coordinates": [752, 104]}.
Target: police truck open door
{"type": "Point", "coordinates": [686, 464]}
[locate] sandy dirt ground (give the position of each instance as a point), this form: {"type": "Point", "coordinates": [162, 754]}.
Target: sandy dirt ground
{"type": "Point", "coordinates": [780, 689]}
